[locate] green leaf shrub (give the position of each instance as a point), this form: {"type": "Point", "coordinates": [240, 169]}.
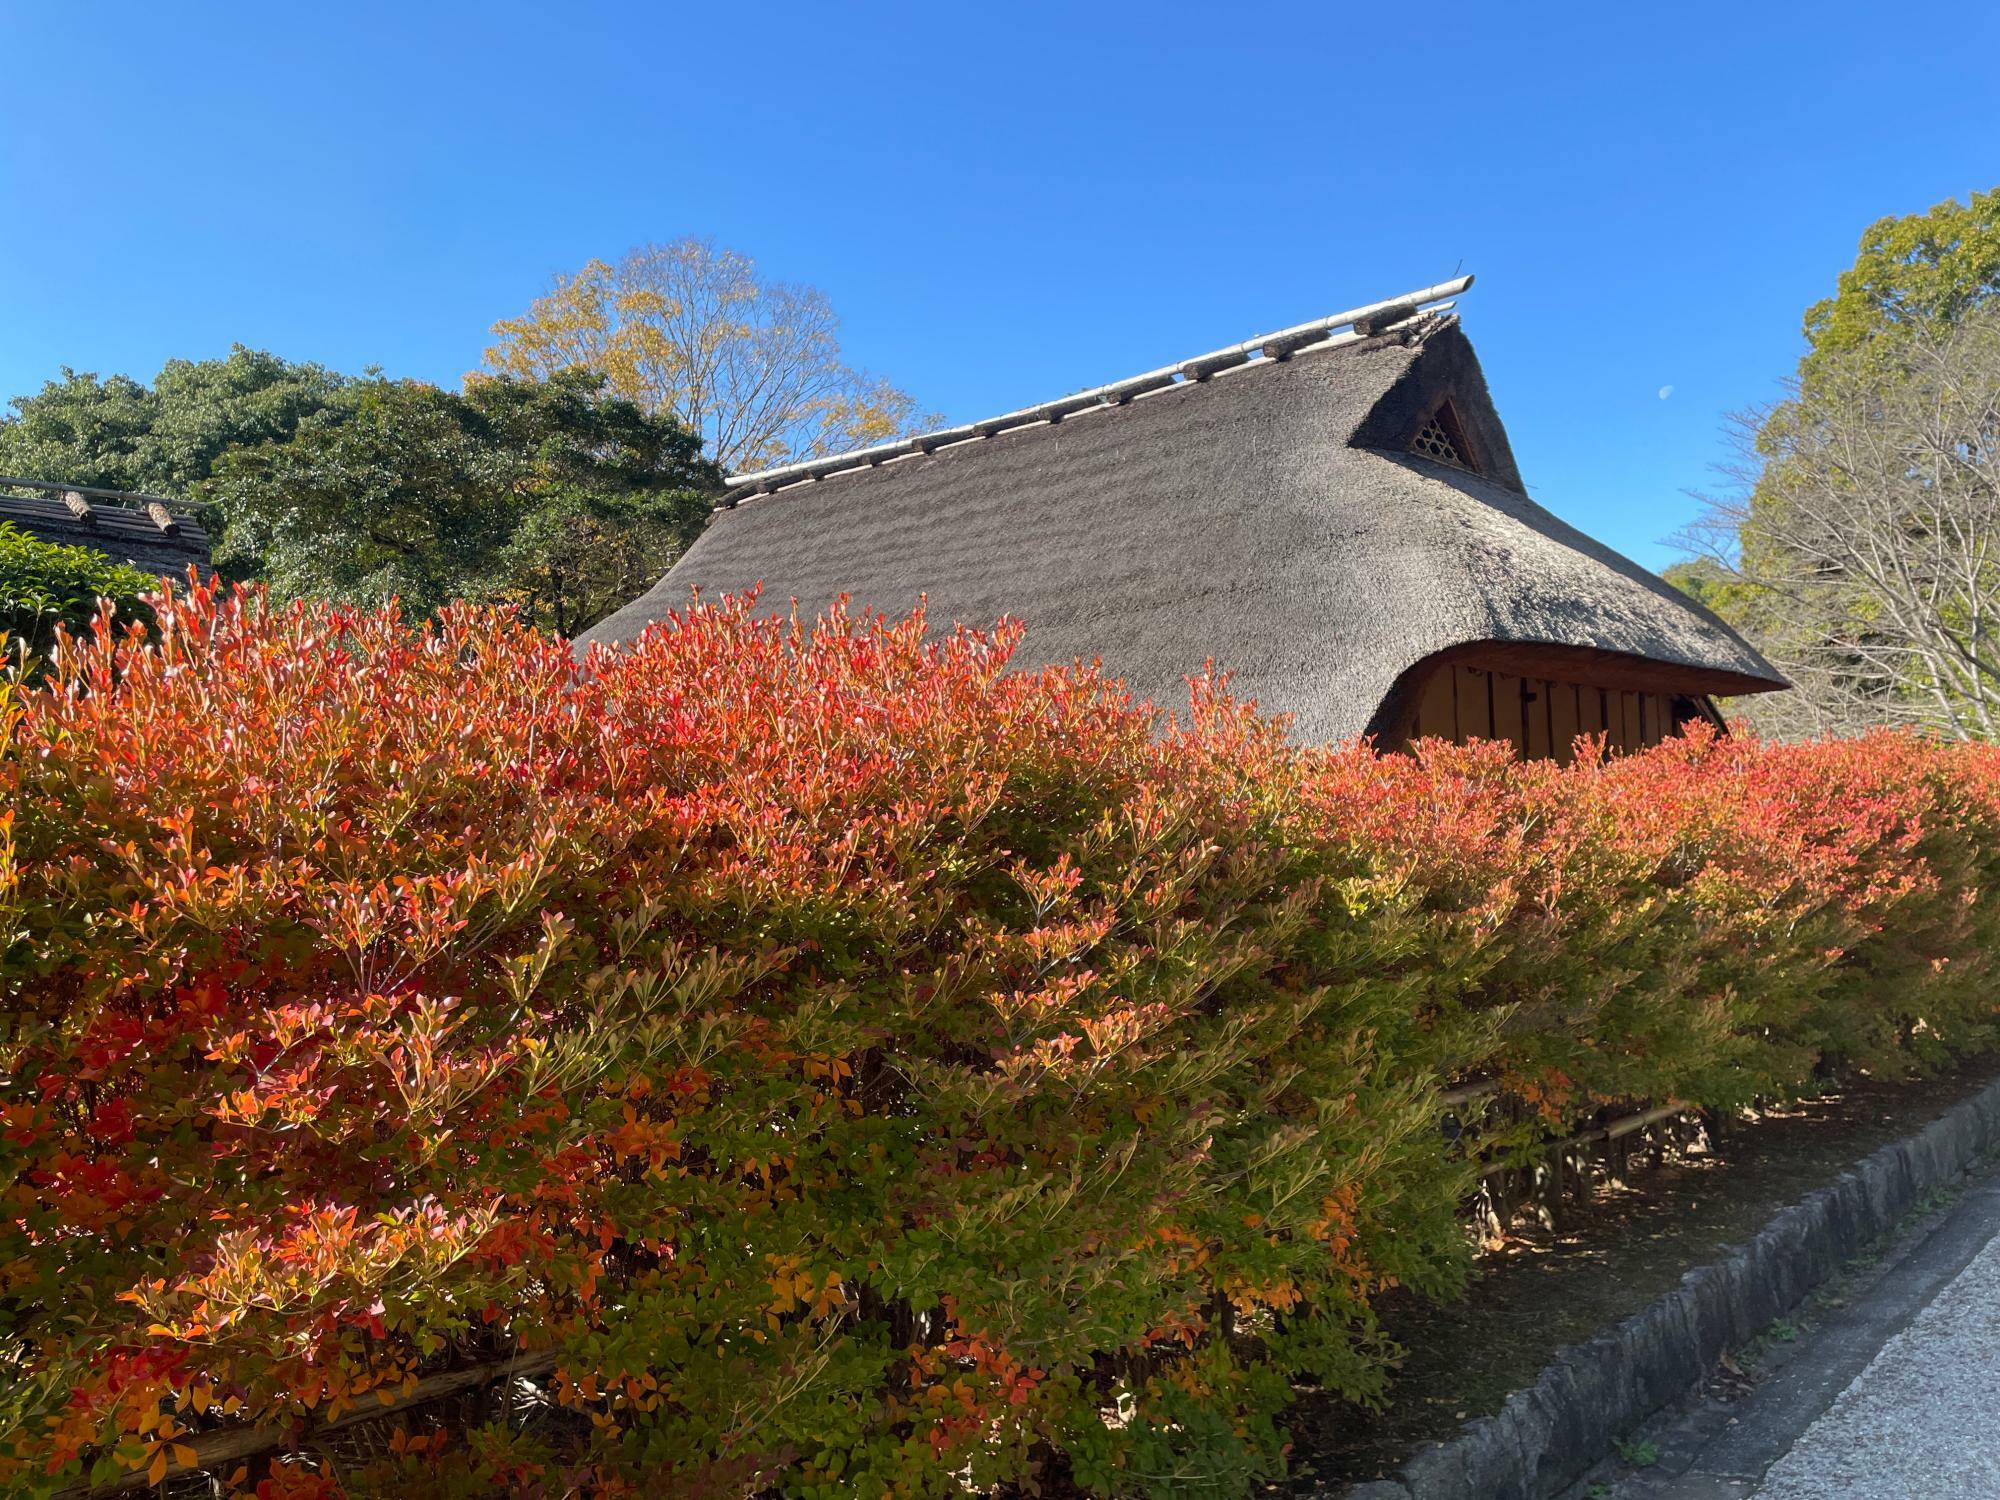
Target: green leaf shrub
{"type": "Point", "coordinates": [44, 585]}
{"type": "Point", "coordinates": [827, 1062]}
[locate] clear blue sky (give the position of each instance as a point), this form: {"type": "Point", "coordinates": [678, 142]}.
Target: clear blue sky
{"type": "Point", "coordinates": [1004, 202]}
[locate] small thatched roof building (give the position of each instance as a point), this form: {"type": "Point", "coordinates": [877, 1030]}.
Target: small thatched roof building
{"type": "Point", "coordinates": [1332, 513]}
{"type": "Point", "coordinates": [154, 535]}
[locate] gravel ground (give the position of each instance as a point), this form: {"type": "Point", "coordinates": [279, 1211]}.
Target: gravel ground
{"type": "Point", "coordinates": [1920, 1419]}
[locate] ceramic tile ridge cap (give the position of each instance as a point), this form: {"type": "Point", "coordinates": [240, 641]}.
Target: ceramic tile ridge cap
{"type": "Point", "coordinates": [1351, 326]}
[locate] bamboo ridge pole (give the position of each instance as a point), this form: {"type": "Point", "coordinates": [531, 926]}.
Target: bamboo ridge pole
{"type": "Point", "coordinates": [1363, 321]}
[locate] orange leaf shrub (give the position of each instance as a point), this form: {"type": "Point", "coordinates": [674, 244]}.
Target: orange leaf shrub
{"type": "Point", "coordinates": [1713, 921]}
{"type": "Point", "coordinates": [843, 1065]}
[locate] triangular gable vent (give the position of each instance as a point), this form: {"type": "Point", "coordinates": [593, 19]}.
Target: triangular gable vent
{"type": "Point", "coordinates": [1441, 438]}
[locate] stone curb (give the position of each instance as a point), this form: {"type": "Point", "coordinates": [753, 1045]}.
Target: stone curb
{"type": "Point", "coordinates": [1547, 1436]}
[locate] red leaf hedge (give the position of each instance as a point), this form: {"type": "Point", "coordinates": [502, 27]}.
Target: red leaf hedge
{"type": "Point", "coordinates": [842, 1065]}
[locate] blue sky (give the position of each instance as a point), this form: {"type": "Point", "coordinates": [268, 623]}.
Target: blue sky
{"type": "Point", "coordinates": [1004, 203]}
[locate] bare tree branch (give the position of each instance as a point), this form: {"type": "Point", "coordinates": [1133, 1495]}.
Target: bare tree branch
{"type": "Point", "coordinates": [753, 366]}
{"type": "Point", "coordinates": [1859, 547]}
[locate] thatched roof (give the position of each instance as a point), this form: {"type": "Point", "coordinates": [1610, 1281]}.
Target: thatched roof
{"type": "Point", "coordinates": [129, 528]}
{"type": "Point", "coordinates": [1270, 516]}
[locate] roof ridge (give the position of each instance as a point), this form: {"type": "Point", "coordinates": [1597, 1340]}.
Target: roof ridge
{"type": "Point", "coordinates": [71, 504]}
{"type": "Point", "coordinates": [129, 499]}
{"type": "Point", "coordinates": [1362, 322]}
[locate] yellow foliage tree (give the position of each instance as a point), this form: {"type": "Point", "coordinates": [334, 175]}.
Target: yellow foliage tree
{"type": "Point", "coordinates": [754, 366]}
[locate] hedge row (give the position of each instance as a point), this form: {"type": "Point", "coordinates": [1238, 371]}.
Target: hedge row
{"type": "Point", "coordinates": [848, 1067]}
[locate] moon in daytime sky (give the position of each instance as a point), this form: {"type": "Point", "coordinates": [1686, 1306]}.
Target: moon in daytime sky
{"type": "Point", "coordinates": [1666, 391]}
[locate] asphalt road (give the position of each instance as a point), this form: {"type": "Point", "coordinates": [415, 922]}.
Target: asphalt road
{"type": "Point", "coordinates": [1894, 1394]}
{"type": "Point", "coordinates": [1923, 1418]}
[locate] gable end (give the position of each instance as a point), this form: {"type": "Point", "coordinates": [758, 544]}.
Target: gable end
{"type": "Point", "coordinates": [1441, 402]}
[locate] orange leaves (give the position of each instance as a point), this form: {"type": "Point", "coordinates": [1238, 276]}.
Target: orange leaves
{"type": "Point", "coordinates": [403, 1443]}
{"type": "Point", "coordinates": [1281, 1295]}
{"type": "Point", "coordinates": [814, 1027]}
{"type": "Point", "coordinates": [650, 1141]}
{"type": "Point", "coordinates": [1051, 888]}
{"type": "Point", "coordinates": [608, 1399]}
{"type": "Point", "coordinates": [835, 1070]}
{"type": "Point", "coordinates": [795, 1288]}
{"type": "Point", "coordinates": [154, 1440]}
{"type": "Point", "coordinates": [1549, 1093]}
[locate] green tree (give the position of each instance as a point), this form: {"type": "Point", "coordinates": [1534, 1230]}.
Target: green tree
{"type": "Point", "coordinates": [1858, 577]}
{"type": "Point", "coordinates": [1919, 270]}
{"type": "Point", "coordinates": [546, 494]}
{"type": "Point", "coordinates": [165, 438]}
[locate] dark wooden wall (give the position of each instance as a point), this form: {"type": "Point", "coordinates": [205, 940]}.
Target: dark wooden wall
{"type": "Point", "coordinates": [1540, 716]}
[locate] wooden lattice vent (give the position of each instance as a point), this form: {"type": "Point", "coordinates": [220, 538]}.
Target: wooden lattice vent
{"type": "Point", "coordinates": [1443, 439]}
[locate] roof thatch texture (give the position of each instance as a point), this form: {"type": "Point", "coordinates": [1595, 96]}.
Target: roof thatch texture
{"type": "Point", "coordinates": [122, 533]}
{"type": "Point", "coordinates": [1268, 518]}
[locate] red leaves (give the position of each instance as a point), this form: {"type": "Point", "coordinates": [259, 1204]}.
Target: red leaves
{"type": "Point", "coordinates": [390, 999]}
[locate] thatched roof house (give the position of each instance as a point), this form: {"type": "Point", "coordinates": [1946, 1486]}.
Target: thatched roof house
{"type": "Point", "coordinates": [1331, 512]}
{"type": "Point", "coordinates": [154, 535]}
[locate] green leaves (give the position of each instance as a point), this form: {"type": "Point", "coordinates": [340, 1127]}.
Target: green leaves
{"type": "Point", "coordinates": [117, 432]}
{"type": "Point", "coordinates": [545, 495]}
{"type": "Point", "coordinates": [850, 1066]}
{"type": "Point", "coordinates": [1855, 550]}
{"type": "Point", "coordinates": [44, 585]}
{"type": "Point", "coordinates": [1931, 268]}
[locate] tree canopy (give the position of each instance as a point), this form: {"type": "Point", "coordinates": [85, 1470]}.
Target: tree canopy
{"type": "Point", "coordinates": [117, 432]}
{"type": "Point", "coordinates": [1919, 270]}
{"type": "Point", "coordinates": [1867, 558]}
{"type": "Point", "coordinates": [547, 494]}
{"type": "Point", "coordinates": [564, 479]}
{"type": "Point", "coordinates": [1857, 549]}
{"type": "Point", "coordinates": [691, 330]}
